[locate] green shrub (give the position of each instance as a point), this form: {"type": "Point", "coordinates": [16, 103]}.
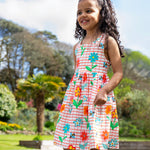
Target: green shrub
{"type": "Point", "coordinates": [38, 138]}
{"type": "Point", "coordinates": [128, 129]}
{"type": "Point", "coordinates": [25, 117]}
{"type": "Point", "coordinates": [7, 103]}
{"type": "Point", "coordinates": [51, 116]}
{"type": "Point", "coordinates": [21, 105]}
{"type": "Point", "coordinates": [50, 125]}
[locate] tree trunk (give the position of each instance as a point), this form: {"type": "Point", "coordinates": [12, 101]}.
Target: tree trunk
{"type": "Point", "coordinates": [40, 105]}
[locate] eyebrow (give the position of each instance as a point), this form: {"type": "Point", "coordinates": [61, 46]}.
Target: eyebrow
{"type": "Point", "coordinates": [85, 8]}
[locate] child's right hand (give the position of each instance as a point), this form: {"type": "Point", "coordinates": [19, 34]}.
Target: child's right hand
{"type": "Point", "coordinates": [100, 98]}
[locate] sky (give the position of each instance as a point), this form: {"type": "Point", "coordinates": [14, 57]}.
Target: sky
{"type": "Point", "coordinates": [59, 17]}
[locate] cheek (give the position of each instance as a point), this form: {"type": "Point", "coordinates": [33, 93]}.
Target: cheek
{"type": "Point", "coordinates": [78, 18]}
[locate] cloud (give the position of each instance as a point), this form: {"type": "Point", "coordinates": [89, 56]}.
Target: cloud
{"type": "Point", "coordinates": [59, 17]}
{"type": "Point", "coordinates": [56, 16]}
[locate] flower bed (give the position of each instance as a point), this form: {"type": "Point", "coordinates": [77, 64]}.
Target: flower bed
{"type": "Point", "coordinates": [4, 126]}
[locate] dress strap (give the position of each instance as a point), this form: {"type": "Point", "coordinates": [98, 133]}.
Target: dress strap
{"type": "Point", "coordinates": [101, 39]}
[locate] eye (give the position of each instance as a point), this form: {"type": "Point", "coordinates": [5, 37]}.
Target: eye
{"type": "Point", "coordinates": [79, 13]}
{"type": "Point", "coordinates": [88, 11]}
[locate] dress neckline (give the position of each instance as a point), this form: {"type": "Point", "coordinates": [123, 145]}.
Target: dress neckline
{"type": "Point", "coordinates": [94, 42]}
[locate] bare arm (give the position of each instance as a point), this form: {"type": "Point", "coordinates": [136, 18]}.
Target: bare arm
{"type": "Point", "coordinates": [114, 55]}
{"type": "Point", "coordinates": [115, 58]}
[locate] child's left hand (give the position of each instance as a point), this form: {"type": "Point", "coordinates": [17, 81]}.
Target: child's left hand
{"type": "Point", "coordinates": [100, 98]}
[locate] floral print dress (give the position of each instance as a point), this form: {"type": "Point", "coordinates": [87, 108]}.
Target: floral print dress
{"type": "Point", "coordinates": [81, 125]}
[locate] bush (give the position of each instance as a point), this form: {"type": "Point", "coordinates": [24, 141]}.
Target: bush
{"type": "Point", "coordinates": [25, 117]}
{"type": "Point", "coordinates": [21, 105]}
{"type": "Point", "coordinates": [132, 103]}
{"type": "Point", "coordinates": [7, 103]}
{"type": "Point", "coordinates": [38, 138]}
{"type": "Point", "coordinates": [51, 116]}
{"type": "Point", "coordinates": [128, 129]}
{"type": "Point", "coordinates": [50, 125]}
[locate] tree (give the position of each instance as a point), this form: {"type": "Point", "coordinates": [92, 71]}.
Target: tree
{"type": "Point", "coordinates": [40, 88]}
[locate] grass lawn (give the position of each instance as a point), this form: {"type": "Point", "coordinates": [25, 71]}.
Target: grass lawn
{"type": "Point", "coordinates": [11, 142]}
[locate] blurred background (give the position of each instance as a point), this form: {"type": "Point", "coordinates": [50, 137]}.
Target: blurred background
{"type": "Point", "coordinates": [36, 64]}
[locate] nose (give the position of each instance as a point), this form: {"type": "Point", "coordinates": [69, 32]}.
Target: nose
{"type": "Point", "coordinates": [83, 14]}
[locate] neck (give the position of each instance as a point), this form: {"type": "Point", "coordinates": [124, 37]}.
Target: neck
{"type": "Point", "coordinates": [93, 33]}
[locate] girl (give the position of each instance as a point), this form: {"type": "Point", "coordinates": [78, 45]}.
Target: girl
{"type": "Point", "coordinates": [88, 117]}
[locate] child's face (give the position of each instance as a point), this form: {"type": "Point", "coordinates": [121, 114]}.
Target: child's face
{"type": "Point", "coordinates": [88, 14]}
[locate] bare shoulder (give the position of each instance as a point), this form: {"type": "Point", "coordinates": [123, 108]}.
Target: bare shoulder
{"type": "Point", "coordinates": [112, 43]}
{"type": "Point", "coordinates": [113, 48]}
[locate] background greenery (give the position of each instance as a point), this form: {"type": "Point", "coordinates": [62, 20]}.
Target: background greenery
{"type": "Point", "coordinates": [24, 54]}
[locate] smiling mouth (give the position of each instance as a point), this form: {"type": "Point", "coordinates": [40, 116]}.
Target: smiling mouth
{"type": "Point", "coordinates": [84, 22]}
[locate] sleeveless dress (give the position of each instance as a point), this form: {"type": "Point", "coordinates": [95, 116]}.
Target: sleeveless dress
{"type": "Point", "coordinates": [81, 125]}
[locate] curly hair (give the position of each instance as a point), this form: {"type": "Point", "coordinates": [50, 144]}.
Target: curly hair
{"type": "Point", "coordinates": [107, 24]}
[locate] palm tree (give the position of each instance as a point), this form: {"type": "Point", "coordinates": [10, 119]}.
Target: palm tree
{"type": "Point", "coordinates": [40, 88]}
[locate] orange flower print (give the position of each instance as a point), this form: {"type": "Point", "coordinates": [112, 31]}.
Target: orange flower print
{"type": "Point", "coordinates": [71, 147]}
{"type": "Point", "coordinates": [98, 147]}
{"type": "Point", "coordinates": [78, 62]}
{"type": "Point", "coordinates": [105, 134]}
{"type": "Point", "coordinates": [108, 109]}
{"type": "Point", "coordinates": [78, 91]}
{"type": "Point", "coordinates": [84, 136]}
{"type": "Point", "coordinates": [62, 107]}
{"type": "Point", "coordinates": [114, 114]}
{"type": "Point", "coordinates": [84, 77]}
{"type": "Point", "coordinates": [86, 110]}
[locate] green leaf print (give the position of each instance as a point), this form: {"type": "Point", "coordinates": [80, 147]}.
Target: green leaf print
{"type": "Point", "coordinates": [86, 119]}
{"type": "Point", "coordinates": [108, 118]}
{"type": "Point", "coordinates": [60, 138]}
{"type": "Point", "coordinates": [87, 125]}
{"type": "Point", "coordinates": [77, 104]}
{"type": "Point", "coordinates": [74, 82]}
{"type": "Point", "coordinates": [88, 68]}
{"type": "Point", "coordinates": [114, 125]}
{"type": "Point", "coordinates": [80, 102]}
{"type": "Point", "coordinates": [58, 119]}
{"type": "Point", "coordinates": [65, 137]}
{"type": "Point", "coordinates": [94, 66]}
{"type": "Point", "coordinates": [92, 83]}
{"type": "Point", "coordinates": [83, 49]}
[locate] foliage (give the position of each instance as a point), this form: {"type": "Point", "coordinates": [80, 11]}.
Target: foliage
{"type": "Point", "coordinates": [38, 138]}
{"type": "Point", "coordinates": [21, 105]}
{"type": "Point", "coordinates": [50, 125]}
{"type": "Point", "coordinates": [40, 88]}
{"type": "Point", "coordinates": [133, 112]}
{"type": "Point", "coordinates": [128, 129]}
{"type": "Point", "coordinates": [50, 86]}
{"type": "Point", "coordinates": [25, 117]}
{"type": "Point", "coordinates": [4, 126]}
{"type": "Point", "coordinates": [140, 116]}
{"type": "Point", "coordinates": [7, 103]}
{"type": "Point", "coordinates": [124, 86]}
{"type": "Point", "coordinates": [52, 105]}
{"type": "Point", "coordinates": [51, 116]}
